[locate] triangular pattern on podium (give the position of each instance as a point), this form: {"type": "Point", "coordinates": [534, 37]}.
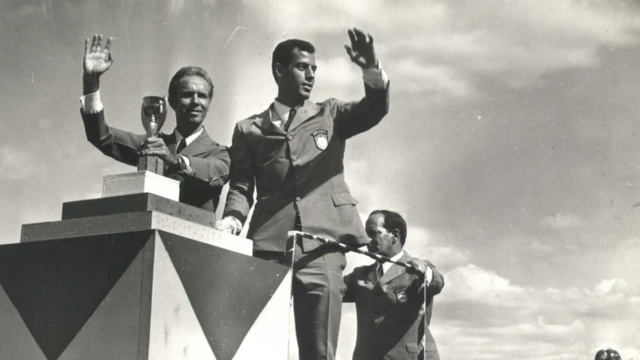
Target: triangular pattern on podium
{"type": "Point", "coordinates": [115, 322]}
{"type": "Point", "coordinates": [175, 332]}
{"type": "Point", "coordinates": [67, 280]}
{"type": "Point", "coordinates": [16, 342]}
{"type": "Point", "coordinates": [268, 338]}
{"type": "Point", "coordinates": [230, 305]}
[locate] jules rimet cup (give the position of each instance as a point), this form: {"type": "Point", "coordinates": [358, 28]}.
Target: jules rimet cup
{"type": "Point", "coordinates": [153, 114]}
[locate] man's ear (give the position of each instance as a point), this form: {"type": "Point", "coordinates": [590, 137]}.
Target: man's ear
{"type": "Point", "coordinates": [278, 70]}
{"type": "Point", "coordinates": [396, 234]}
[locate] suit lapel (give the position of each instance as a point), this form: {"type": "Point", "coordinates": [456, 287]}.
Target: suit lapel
{"type": "Point", "coordinates": [264, 122]}
{"type": "Point", "coordinates": [372, 274]}
{"type": "Point", "coordinates": [170, 141]}
{"type": "Point", "coordinates": [201, 144]}
{"type": "Point", "coordinates": [306, 111]}
{"type": "Point", "coordinates": [395, 270]}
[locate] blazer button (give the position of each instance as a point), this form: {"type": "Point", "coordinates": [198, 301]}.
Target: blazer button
{"type": "Point", "coordinates": [298, 199]}
{"type": "Point", "coordinates": [289, 137]}
{"type": "Point", "coordinates": [294, 158]}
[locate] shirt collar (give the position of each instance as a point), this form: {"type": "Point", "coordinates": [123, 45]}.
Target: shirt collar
{"type": "Point", "coordinates": [387, 265]}
{"type": "Point", "coordinates": [281, 110]}
{"type": "Point", "coordinates": [189, 138]}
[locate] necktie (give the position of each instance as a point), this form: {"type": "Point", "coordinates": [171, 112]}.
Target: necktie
{"type": "Point", "coordinates": [380, 270]}
{"type": "Point", "coordinates": [292, 114]}
{"type": "Point", "coordinates": [181, 146]}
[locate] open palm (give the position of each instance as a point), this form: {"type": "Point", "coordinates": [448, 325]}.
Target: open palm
{"type": "Point", "coordinates": [97, 59]}
{"type": "Point", "coordinates": [361, 50]}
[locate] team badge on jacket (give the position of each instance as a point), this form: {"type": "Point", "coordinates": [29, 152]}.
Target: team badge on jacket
{"type": "Point", "coordinates": [321, 138]}
{"type": "Point", "coordinates": [401, 296]}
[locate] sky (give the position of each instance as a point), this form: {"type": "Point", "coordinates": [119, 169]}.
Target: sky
{"type": "Point", "coordinates": [511, 146]}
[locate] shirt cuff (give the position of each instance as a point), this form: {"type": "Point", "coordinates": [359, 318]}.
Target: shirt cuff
{"type": "Point", "coordinates": [429, 275]}
{"type": "Point", "coordinates": [91, 103]}
{"type": "Point", "coordinates": [187, 162]}
{"type": "Point", "coordinates": [234, 223]}
{"type": "Point", "coordinates": [375, 77]}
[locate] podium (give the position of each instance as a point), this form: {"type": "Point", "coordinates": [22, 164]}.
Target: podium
{"type": "Point", "coordinates": [139, 276]}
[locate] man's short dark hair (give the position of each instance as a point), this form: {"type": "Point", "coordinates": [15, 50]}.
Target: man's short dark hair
{"type": "Point", "coordinates": [184, 72]}
{"type": "Point", "coordinates": [393, 221]}
{"type": "Point", "coordinates": [607, 354]}
{"type": "Point", "coordinates": [283, 53]}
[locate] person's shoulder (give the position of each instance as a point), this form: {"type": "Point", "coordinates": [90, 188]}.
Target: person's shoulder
{"type": "Point", "coordinates": [329, 102]}
{"type": "Point", "coordinates": [248, 121]}
{"type": "Point", "coordinates": [408, 257]}
{"type": "Point", "coordinates": [211, 142]}
{"type": "Point", "coordinates": [251, 118]}
{"type": "Point", "coordinates": [327, 106]}
{"type": "Point", "coordinates": [334, 104]}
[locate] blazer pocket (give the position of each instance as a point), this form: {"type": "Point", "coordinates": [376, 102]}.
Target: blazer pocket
{"type": "Point", "coordinates": [412, 348]}
{"type": "Point", "coordinates": [343, 198]}
{"type": "Point", "coordinates": [430, 346]}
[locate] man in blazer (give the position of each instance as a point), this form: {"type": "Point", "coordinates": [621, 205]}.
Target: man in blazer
{"type": "Point", "coordinates": [189, 154]}
{"type": "Point", "coordinates": [393, 316]}
{"type": "Point", "coordinates": [293, 154]}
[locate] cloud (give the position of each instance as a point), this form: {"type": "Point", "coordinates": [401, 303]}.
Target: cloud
{"type": "Point", "coordinates": [436, 247]}
{"type": "Point", "coordinates": [18, 12]}
{"type": "Point", "coordinates": [561, 221]}
{"type": "Point", "coordinates": [437, 81]}
{"type": "Point", "coordinates": [15, 164]}
{"type": "Point", "coordinates": [176, 6]}
{"type": "Point", "coordinates": [478, 306]}
{"type": "Point", "coordinates": [449, 46]}
{"type": "Point", "coordinates": [338, 78]}
{"type": "Point", "coordinates": [471, 283]}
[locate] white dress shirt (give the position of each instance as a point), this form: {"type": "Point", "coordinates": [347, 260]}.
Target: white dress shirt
{"type": "Point", "coordinates": [387, 265]}
{"type": "Point", "coordinates": [189, 138]}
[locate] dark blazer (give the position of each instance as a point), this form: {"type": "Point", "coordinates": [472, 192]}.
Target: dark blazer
{"type": "Point", "coordinates": [302, 168]}
{"type": "Point", "coordinates": [209, 161]}
{"type": "Point", "coordinates": [388, 311]}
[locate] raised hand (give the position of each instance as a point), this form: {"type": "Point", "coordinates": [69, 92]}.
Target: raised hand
{"type": "Point", "coordinates": [361, 50]}
{"type": "Point", "coordinates": [97, 59]}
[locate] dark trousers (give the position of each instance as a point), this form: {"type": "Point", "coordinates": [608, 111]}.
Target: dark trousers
{"type": "Point", "coordinates": [317, 296]}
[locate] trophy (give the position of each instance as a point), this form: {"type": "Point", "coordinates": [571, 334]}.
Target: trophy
{"type": "Point", "coordinates": [153, 114]}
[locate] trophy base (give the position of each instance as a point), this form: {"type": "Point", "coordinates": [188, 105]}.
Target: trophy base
{"type": "Point", "coordinates": [152, 164]}
{"type": "Point", "coordinates": [140, 182]}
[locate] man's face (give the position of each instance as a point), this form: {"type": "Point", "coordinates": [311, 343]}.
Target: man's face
{"type": "Point", "coordinates": [382, 242]}
{"type": "Point", "coordinates": [192, 100]}
{"type": "Point", "coordinates": [296, 80]}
